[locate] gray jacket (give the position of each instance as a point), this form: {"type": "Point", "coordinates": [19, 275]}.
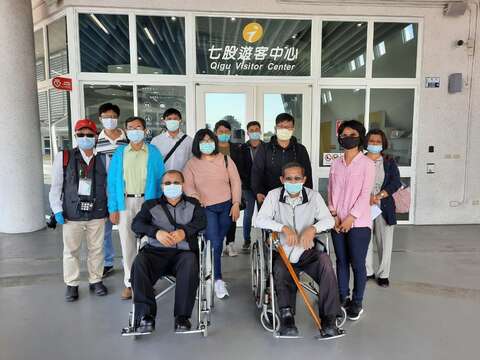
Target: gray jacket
{"type": "Point", "coordinates": [276, 212]}
{"type": "Point", "coordinates": [187, 215]}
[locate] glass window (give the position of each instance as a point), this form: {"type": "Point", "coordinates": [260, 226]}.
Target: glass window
{"type": "Point", "coordinates": [161, 44]}
{"type": "Point", "coordinates": [395, 50]}
{"type": "Point", "coordinates": [344, 45]}
{"type": "Point", "coordinates": [391, 110]}
{"type": "Point", "coordinates": [241, 46]}
{"type": "Point", "coordinates": [337, 105]}
{"type": "Point", "coordinates": [154, 100]}
{"type": "Point", "coordinates": [60, 120]}
{"type": "Point", "coordinates": [104, 43]}
{"type": "Point", "coordinates": [274, 104]}
{"type": "Point", "coordinates": [323, 188]}
{"type": "Point", "coordinates": [57, 47]}
{"type": "Point", "coordinates": [231, 107]}
{"type": "Point", "coordinates": [39, 55]}
{"type": "Point", "coordinates": [96, 95]}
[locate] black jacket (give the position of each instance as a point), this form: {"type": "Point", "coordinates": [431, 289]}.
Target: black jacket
{"type": "Point", "coordinates": [188, 215]}
{"type": "Point", "coordinates": [271, 157]}
{"type": "Point", "coordinates": [246, 163]}
{"type": "Point", "coordinates": [391, 184]}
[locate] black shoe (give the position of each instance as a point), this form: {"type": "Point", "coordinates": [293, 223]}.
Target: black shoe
{"type": "Point", "coordinates": [345, 302]}
{"type": "Point", "coordinates": [107, 270]}
{"type": "Point", "coordinates": [371, 277]}
{"type": "Point", "coordinates": [246, 247]}
{"type": "Point", "coordinates": [354, 310]}
{"type": "Point", "coordinates": [182, 324]}
{"type": "Point", "coordinates": [146, 325]}
{"type": "Point", "coordinates": [330, 330]}
{"type": "Point", "coordinates": [287, 323]}
{"type": "Point", "coordinates": [98, 288]}
{"type": "Point", "coordinates": [71, 294]}
{"type": "Point", "coordinates": [383, 282]}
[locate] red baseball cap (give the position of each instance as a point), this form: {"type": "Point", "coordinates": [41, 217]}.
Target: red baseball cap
{"type": "Point", "coordinates": [86, 124]}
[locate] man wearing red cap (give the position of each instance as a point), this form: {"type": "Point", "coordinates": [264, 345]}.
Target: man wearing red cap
{"type": "Point", "coordinates": [78, 199]}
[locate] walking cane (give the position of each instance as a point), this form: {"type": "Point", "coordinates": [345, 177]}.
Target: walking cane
{"type": "Point", "coordinates": [283, 256]}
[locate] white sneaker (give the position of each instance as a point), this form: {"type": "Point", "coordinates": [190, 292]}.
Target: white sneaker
{"type": "Point", "coordinates": [231, 250]}
{"type": "Point", "coordinates": [220, 289]}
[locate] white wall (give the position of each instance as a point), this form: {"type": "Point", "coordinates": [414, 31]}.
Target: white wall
{"type": "Point", "coordinates": [442, 117]}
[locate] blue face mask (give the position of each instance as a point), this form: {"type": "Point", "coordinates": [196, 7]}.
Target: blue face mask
{"type": "Point", "coordinates": [207, 148]}
{"type": "Point", "coordinates": [172, 191]}
{"type": "Point", "coordinates": [293, 188]}
{"type": "Point", "coordinates": [172, 125]}
{"type": "Point", "coordinates": [255, 135]}
{"type": "Point", "coordinates": [374, 149]}
{"type": "Point", "coordinates": [86, 143]}
{"type": "Point", "coordinates": [224, 137]}
{"type": "Point", "coordinates": [135, 136]}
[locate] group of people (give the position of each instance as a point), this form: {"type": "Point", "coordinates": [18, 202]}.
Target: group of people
{"type": "Point", "coordinates": [172, 188]}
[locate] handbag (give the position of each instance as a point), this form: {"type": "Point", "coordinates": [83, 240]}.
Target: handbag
{"type": "Point", "coordinates": [402, 199]}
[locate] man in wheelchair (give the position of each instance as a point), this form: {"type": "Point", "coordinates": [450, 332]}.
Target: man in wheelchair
{"type": "Point", "coordinates": [298, 213]}
{"type": "Point", "coordinates": [171, 224]}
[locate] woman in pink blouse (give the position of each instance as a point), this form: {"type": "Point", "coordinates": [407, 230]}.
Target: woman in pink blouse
{"type": "Point", "coordinates": [213, 179]}
{"type": "Point", "coordinates": [349, 186]}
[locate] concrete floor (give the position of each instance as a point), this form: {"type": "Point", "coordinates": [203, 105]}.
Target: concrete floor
{"type": "Point", "coordinates": [431, 310]}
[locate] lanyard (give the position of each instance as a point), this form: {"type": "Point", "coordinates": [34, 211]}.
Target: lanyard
{"type": "Point", "coordinates": [86, 169]}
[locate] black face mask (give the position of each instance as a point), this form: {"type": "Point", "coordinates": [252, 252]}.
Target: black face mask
{"type": "Point", "coordinates": [349, 142]}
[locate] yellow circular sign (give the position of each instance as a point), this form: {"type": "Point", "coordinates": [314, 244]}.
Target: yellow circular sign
{"type": "Point", "coordinates": [252, 32]}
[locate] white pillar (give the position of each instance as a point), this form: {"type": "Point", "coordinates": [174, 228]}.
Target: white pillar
{"type": "Point", "coordinates": [21, 173]}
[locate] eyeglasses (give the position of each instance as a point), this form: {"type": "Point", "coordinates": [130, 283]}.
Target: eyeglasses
{"type": "Point", "coordinates": [172, 183]}
{"type": "Point", "coordinates": [296, 178]}
{"type": "Point", "coordinates": [343, 136]}
{"type": "Point", "coordinates": [80, 135]}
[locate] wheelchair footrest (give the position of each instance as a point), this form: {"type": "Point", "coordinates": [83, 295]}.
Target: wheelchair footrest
{"type": "Point", "coordinates": [131, 331]}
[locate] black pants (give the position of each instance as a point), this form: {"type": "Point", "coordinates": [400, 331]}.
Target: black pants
{"type": "Point", "coordinates": [231, 233]}
{"type": "Point", "coordinates": [319, 267]}
{"type": "Point", "coordinates": [150, 264]}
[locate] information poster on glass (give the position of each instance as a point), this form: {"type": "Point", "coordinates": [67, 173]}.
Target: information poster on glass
{"type": "Point", "coordinates": [250, 46]}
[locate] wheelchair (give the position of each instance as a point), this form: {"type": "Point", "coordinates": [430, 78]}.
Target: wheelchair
{"type": "Point", "coordinates": [205, 292]}
{"type": "Point", "coordinates": [263, 285]}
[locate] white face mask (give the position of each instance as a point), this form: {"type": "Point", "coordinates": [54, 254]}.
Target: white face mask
{"type": "Point", "coordinates": [109, 123]}
{"type": "Point", "coordinates": [284, 134]}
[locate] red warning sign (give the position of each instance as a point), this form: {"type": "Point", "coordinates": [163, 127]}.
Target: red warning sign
{"type": "Point", "coordinates": [62, 83]}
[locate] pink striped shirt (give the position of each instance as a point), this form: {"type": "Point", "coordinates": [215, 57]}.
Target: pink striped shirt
{"type": "Point", "coordinates": [349, 189]}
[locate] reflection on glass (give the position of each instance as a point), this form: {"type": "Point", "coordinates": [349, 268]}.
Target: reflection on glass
{"type": "Point", "coordinates": [57, 47]}
{"type": "Point", "coordinates": [323, 188]}
{"type": "Point", "coordinates": [161, 44]}
{"type": "Point", "coordinates": [39, 55]}
{"type": "Point", "coordinates": [249, 46]}
{"type": "Point", "coordinates": [60, 121]}
{"type": "Point", "coordinates": [274, 104]}
{"type": "Point", "coordinates": [344, 45]}
{"type": "Point", "coordinates": [395, 50]}
{"type": "Point", "coordinates": [45, 136]}
{"type": "Point", "coordinates": [96, 95]}
{"type": "Point", "coordinates": [104, 43]}
{"type": "Point", "coordinates": [154, 100]}
{"type": "Point", "coordinates": [230, 107]}
{"type": "Point", "coordinates": [337, 105]}
{"type": "Point", "coordinates": [391, 110]}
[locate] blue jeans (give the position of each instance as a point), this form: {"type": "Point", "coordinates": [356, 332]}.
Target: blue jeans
{"type": "Point", "coordinates": [247, 214]}
{"type": "Point", "coordinates": [108, 249]}
{"type": "Point", "coordinates": [351, 249]}
{"type": "Point", "coordinates": [218, 223]}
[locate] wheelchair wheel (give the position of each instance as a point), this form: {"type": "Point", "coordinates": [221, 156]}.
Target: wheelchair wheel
{"type": "Point", "coordinates": [266, 318]}
{"type": "Point", "coordinates": [258, 274]}
{"type": "Point", "coordinates": [342, 317]}
{"type": "Point", "coordinates": [210, 281]}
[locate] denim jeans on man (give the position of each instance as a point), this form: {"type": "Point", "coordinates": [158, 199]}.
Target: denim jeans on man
{"type": "Point", "coordinates": [351, 249]}
{"type": "Point", "coordinates": [218, 223]}
{"type": "Point", "coordinates": [247, 214]}
{"type": "Point", "coordinates": [109, 251]}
